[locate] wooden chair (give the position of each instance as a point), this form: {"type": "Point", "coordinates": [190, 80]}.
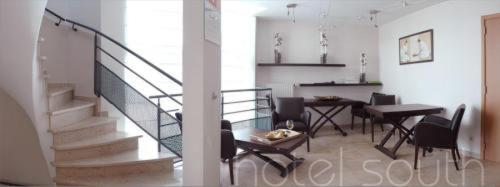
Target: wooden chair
{"type": "Point", "coordinates": [359, 111]}
{"type": "Point", "coordinates": [381, 100]}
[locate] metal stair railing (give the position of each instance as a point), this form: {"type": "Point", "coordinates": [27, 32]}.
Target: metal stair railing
{"type": "Point", "coordinates": [147, 115]}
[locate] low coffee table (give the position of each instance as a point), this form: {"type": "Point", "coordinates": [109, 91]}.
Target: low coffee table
{"type": "Point", "coordinates": [243, 141]}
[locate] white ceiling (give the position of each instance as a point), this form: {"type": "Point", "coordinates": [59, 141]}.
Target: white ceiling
{"type": "Point", "coordinates": [351, 11]}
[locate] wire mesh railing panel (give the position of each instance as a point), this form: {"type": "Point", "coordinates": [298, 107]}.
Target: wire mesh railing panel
{"type": "Point", "coordinates": [247, 107]}
{"type": "Point", "coordinates": [139, 109]}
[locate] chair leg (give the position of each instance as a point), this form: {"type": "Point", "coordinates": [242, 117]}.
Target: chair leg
{"type": "Point", "coordinates": [373, 133]}
{"type": "Point", "coordinates": [308, 149]}
{"type": "Point", "coordinates": [416, 157]}
{"type": "Point", "coordinates": [364, 124]}
{"type": "Point", "coordinates": [455, 159]}
{"type": "Point", "coordinates": [458, 153]}
{"type": "Point", "coordinates": [352, 122]}
{"type": "Point", "coordinates": [231, 171]}
{"type": "Point", "coordinates": [382, 127]}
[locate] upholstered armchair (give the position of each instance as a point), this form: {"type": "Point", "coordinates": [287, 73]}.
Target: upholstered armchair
{"type": "Point", "coordinates": [437, 132]}
{"type": "Point", "coordinates": [292, 108]}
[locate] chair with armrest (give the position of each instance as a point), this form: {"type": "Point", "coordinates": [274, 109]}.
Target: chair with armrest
{"type": "Point", "coordinates": [437, 132]}
{"type": "Point", "coordinates": [359, 111]}
{"type": "Point", "coordinates": [292, 108]}
{"type": "Point", "coordinates": [228, 145]}
{"type": "Point", "coordinates": [381, 100]}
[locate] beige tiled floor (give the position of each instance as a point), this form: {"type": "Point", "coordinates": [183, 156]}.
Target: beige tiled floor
{"type": "Point", "coordinates": [353, 161]}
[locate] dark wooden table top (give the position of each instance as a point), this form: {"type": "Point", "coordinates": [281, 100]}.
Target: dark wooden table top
{"type": "Point", "coordinates": [403, 110]}
{"type": "Point", "coordinates": [340, 102]}
{"type": "Point", "coordinates": [242, 137]}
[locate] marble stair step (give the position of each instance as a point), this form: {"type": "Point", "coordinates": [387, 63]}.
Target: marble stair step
{"type": "Point", "coordinates": [60, 95]}
{"type": "Point", "coordinates": [86, 129]}
{"type": "Point", "coordinates": [59, 89]}
{"type": "Point", "coordinates": [125, 158]}
{"type": "Point", "coordinates": [97, 141]}
{"type": "Point", "coordinates": [87, 123]}
{"type": "Point", "coordinates": [143, 179]}
{"type": "Point", "coordinates": [71, 106]}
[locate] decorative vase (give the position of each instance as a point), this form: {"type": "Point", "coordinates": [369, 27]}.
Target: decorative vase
{"type": "Point", "coordinates": [277, 52]}
{"type": "Point", "coordinates": [363, 60]}
{"type": "Point", "coordinates": [323, 43]}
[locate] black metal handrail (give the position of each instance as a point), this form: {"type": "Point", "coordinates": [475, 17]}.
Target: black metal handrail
{"type": "Point", "coordinates": [115, 42]}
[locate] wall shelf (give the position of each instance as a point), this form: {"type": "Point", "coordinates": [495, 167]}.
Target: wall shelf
{"type": "Point", "coordinates": [338, 84]}
{"type": "Point", "coordinates": [301, 65]}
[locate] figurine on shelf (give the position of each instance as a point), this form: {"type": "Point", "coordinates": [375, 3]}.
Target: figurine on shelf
{"type": "Point", "coordinates": [362, 77]}
{"type": "Point", "coordinates": [277, 52]}
{"type": "Point", "coordinates": [323, 42]}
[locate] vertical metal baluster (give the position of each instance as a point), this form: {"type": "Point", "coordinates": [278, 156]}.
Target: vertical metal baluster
{"type": "Point", "coordinates": [256, 111]}
{"type": "Point", "coordinates": [159, 124]}
{"type": "Point", "coordinates": [96, 69]}
{"type": "Point", "coordinates": [222, 105]}
{"type": "Point", "coordinates": [270, 109]}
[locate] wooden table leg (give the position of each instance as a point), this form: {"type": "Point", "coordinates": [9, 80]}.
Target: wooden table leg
{"type": "Point", "coordinates": [397, 126]}
{"type": "Point", "coordinates": [284, 171]}
{"type": "Point", "coordinates": [323, 115]}
{"type": "Point", "coordinates": [337, 127]}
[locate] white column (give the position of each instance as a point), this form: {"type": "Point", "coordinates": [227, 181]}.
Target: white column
{"type": "Point", "coordinates": [201, 102]}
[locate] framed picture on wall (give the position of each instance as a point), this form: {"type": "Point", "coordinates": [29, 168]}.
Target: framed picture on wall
{"type": "Point", "coordinates": [417, 48]}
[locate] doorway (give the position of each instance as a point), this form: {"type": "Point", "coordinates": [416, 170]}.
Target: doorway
{"type": "Point", "coordinates": [491, 88]}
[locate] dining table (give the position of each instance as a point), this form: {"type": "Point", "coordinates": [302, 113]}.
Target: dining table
{"type": "Point", "coordinates": [334, 107]}
{"type": "Point", "coordinates": [397, 115]}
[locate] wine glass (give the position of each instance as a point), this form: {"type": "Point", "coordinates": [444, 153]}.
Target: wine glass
{"type": "Point", "coordinates": [289, 124]}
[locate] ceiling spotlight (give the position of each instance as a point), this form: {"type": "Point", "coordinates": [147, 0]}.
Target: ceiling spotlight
{"type": "Point", "coordinates": [291, 10]}
{"type": "Point", "coordinates": [373, 17]}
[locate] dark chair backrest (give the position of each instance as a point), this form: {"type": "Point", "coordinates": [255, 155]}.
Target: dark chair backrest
{"type": "Point", "coordinates": [178, 115]}
{"type": "Point", "coordinates": [228, 146]}
{"type": "Point", "coordinates": [373, 95]}
{"type": "Point", "coordinates": [384, 100]}
{"type": "Point", "coordinates": [290, 108]}
{"type": "Point", "coordinates": [457, 120]}
{"type": "Point", "coordinates": [270, 102]}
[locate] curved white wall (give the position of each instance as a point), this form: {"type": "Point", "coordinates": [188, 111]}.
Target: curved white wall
{"type": "Point", "coordinates": [21, 158]}
{"type": "Point", "coordinates": [20, 22]}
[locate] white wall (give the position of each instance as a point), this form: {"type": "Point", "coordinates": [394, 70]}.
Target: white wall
{"type": "Point", "coordinates": [71, 54]}
{"type": "Point", "coordinates": [301, 45]}
{"type": "Point", "coordinates": [21, 155]}
{"type": "Point", "coordinates": [455, 75]}
{"type": "Point", "coordinates": [19, 70]}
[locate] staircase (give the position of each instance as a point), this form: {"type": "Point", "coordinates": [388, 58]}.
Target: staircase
{"type": "Point", "coordinates": [89, 150]}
